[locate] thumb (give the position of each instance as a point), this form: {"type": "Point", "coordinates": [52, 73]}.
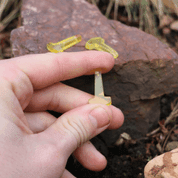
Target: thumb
{"type": "Point", "coordinates": [79, 125]}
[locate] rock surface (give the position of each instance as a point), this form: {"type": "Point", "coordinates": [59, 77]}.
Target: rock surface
{"type": "Point", "coordinates": [145, 70]}
{"type": "Point", "coordinates": [163, 166]}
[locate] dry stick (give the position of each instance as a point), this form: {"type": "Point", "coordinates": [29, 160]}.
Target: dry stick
{"type": "Point", "coordinates": [109, 8]}
{"type": "Point", "coordinates": [11, 3]}
{"type": "Point", "coordinates": [153, 132]}
{"type": "Point", "coordinates": [165, 141]}
{"type": "Point", "coordinates": [9, 18]}
{"type": "Point", "coordinates": [146, 16]}
{"type": "Point", "coordinates": [160, 8]}
{"type": "Point", "coordinates": [135, 18]}
{"type": "Point", "coordinates": [141, 16]}
{"type": "Point", "coordinates": [148, 19]}
{"type": "Point", "coordinates": [129, 12]}
{"type": "Point", "coordinates": [176, 6]}
{"type": "Point", "coordinates": [5, 5]}
{"type": "Point", "coordinates": [173, 114]}
{"type": "Point", "coordinates": [2, 7]}
{"type": "Point", "coordinates": [116, 9]}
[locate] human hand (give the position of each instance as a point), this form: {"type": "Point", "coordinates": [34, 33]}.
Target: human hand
{"type": "Point", "coordinates": [33, 143]}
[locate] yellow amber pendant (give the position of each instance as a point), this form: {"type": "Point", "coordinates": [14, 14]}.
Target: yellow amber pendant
{"type": "Point", "coordinates": [98, 43]}
{"type": "Point", "coordinates": [64, 44]}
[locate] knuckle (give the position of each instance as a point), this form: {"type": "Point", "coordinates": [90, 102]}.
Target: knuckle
{"type": "Point", "coordinates": [77, 128]}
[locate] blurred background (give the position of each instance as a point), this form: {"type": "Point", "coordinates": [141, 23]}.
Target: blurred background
{"type": "Point", "coordinates": [156, 17]}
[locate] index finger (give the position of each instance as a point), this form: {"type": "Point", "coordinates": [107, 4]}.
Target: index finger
{"type": "Point", "coordinates": [46, 69]}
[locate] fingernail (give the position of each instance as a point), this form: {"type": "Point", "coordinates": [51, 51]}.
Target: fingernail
{"type": "Point", "coordinates": [99, 117]}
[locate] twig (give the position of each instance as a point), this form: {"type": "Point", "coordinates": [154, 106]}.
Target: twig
{"type": "Point", "coordinates": [9, 17]}
{"type": "Point", "coordinates": [135, 18]}
{"type": "Point", "coordinates": [165, 141]}
{"type": "Point", "coordinates": [153, 132]}
{"type": "Point", "coordinates": [116, 9]}
{"type": "Point", "coordinates": [109, 8]}
{"type": "Point", "coordinates": [172, 115]}
{"type": "Point", "coordinates": [129, 11]}
{"type": "Point", "coordinates": [141, 12]}
{"type": "Point", "coordinates": [176, 6]}
{"type": "Point", "coordinates": [149, 18]}
{"type": "Point", "coordinates": [160, 8]}
{"type": "Point", "coordinates": [2, 7]}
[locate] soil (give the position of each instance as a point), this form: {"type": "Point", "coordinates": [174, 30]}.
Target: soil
{"type": "Point", "coordinates": [128, 159]}
{"type": "Point", "coordinates": [122, 162]}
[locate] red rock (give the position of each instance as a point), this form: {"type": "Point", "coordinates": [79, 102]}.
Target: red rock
{"type": "Point", "coordinates": [145, 70]}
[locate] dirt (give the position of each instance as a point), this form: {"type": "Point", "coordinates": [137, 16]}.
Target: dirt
{"type": "Point", "coordinates": [122, 162]}
{"type": "Point", "coordinates": [128, 159]}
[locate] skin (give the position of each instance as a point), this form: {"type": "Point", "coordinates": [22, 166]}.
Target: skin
{"type": "Point", "coordinates": [33, 143]}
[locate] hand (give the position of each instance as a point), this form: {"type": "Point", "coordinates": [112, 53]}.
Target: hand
{"type": "Point", "coordinates": [33, 143]}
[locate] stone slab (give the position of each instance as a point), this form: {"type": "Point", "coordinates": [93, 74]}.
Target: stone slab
{"type": "Point", "coordinates": [145, 70]}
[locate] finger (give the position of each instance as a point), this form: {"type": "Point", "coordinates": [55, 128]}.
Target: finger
{"type": "Point", "coordinates": [90, 157]}
{"type": "Point", "coordinates": [87, 154]}
{"type": "Point", "coordinates": [39, 121]}
{"type": "Point", "coordinates": [46, 69]}
{"type": "Point", "coordinates": [62, 98]}
{"type": "Point", "coordinates": [59, 97]}
{"type": "Point", "coordinates": [21, 75]}
{"type": "Point", "coordinates": [79, 125]}
{"type": "Point", "coordinates": [67, 174]}
{"type": "Point", "coordinates": [117, 118]}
